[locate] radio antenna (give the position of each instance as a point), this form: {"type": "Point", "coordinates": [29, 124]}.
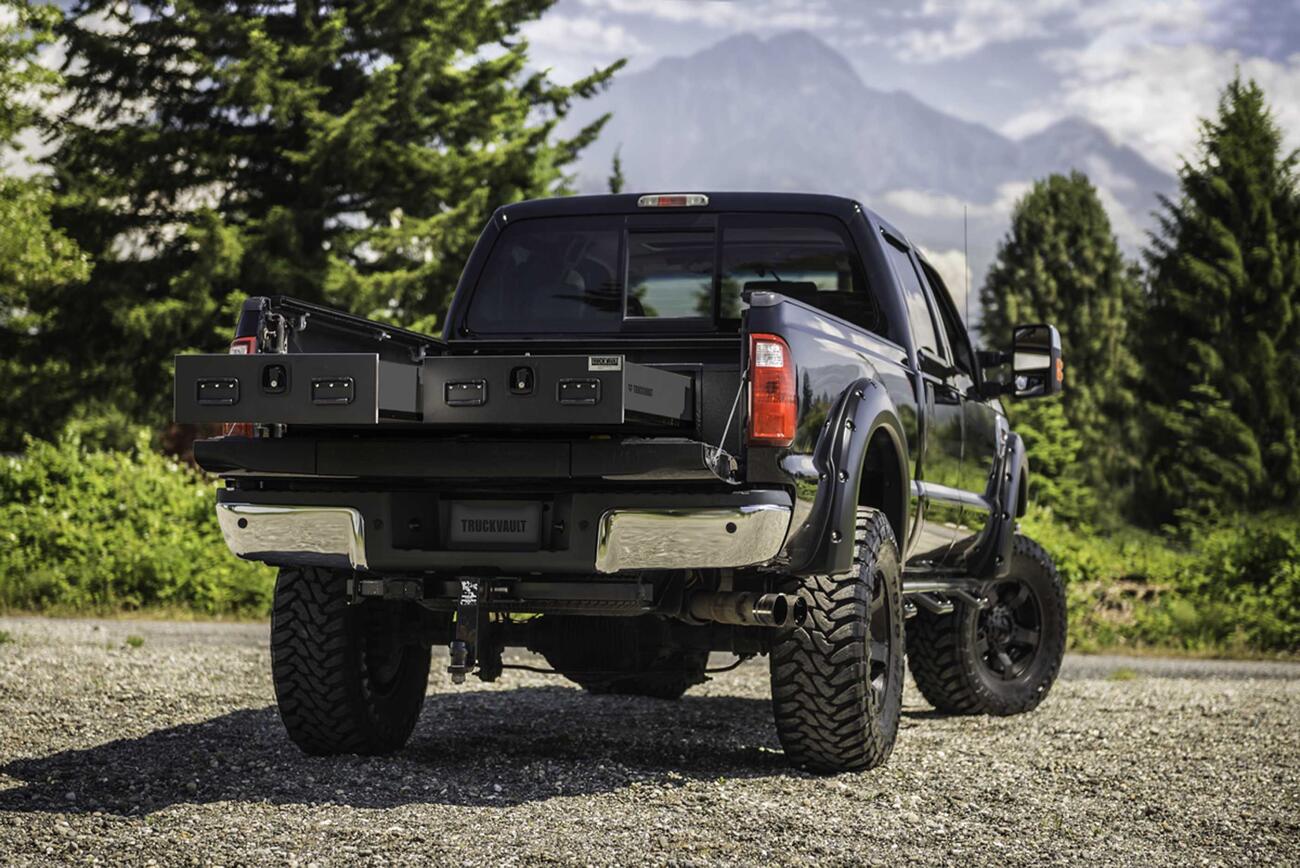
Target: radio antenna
{"type": "Point", "coordinates": [965, 260]}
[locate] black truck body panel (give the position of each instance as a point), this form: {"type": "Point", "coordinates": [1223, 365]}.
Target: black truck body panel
{"type": "Point", "coordinates": [449, 458]}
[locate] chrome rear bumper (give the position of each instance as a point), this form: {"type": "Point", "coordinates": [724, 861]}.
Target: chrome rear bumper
{"type": "Point", "coordinates": [676, 539]}
{"type": "Point", "coordinates": [323, 536]}
{"type": "Point", "coordinates": [627, 539]}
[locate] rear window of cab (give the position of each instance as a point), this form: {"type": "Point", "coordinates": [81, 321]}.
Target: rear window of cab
{"type": "Point", "coordinates": [601, 275]}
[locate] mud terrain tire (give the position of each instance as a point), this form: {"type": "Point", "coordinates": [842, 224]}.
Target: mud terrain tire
{"type": "Point", "coordinates": [343, 685]}
{"type": "Point", "coordinates": [837, 680]}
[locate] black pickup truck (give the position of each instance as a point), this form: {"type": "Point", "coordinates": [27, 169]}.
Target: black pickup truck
{"type": "Point", "coordinates": [654, 427]}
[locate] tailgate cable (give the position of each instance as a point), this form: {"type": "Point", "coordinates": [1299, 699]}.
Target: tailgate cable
{"type": "Point", "coordinates": [714, 454]}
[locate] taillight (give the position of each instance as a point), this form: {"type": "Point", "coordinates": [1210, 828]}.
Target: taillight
{"type": "Point", "coordinates": [772, 409]}
{"type": "Point", "coordinates": [241, 347]}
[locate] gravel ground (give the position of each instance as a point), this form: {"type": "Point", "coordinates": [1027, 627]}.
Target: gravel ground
{"type": "Point", "coordinates": [171, 752]}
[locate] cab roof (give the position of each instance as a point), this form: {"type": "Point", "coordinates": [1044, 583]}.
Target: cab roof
{"type": "Point", "coordinates": [626, 203]}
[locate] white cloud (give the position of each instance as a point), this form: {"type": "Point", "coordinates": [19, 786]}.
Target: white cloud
{"type": "Point", "coordinates": [573, 46]}
{"type": "Point", "coordinates": [734, 14]}
{"type": "Point", "coordinates": [1152, 96]}
{"type": "Point", "coordinates": [950, 29]}
{"type": "Point", "coordinates": [924, 203]}
{"type": "Point", "coordinates": [585, 36]}
{"type": "Point", "coordinates": [1147, 72]}
{"type": "Point", "coordinates": [952, 268]}
{"type": "Point", "coordinates": [953, 29]}
{"type": "Point", "coordinates": [1170, 19]}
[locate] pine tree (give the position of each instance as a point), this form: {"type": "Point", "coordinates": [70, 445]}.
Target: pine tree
{"type": "Point", "coordinates": [1205, 460]}
{"type": "Point", "coordinates": [341, 152]}
{"type": "Point", "coordinates": [616, 179]}
{"type": "Point", "coordinates": [1054, 448]}
{"type": "Point", "coordinates": [25, 84]}
{"type": "Point", "coordinates": [1061, 264]}
{"type": "Point", "coordinates": [1222, 331]}
{"type": "Point", "coordinates": [33, 255]}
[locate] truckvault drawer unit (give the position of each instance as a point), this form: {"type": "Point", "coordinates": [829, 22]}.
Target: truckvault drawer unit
{"type": "Point", "coordinates": [360, 389]}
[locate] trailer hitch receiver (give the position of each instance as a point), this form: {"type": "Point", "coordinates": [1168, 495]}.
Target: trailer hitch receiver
{"type": "Point", "coordinates": [471, 619]}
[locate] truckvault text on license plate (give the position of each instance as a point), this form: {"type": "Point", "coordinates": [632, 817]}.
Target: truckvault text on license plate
{"type": "Point", "coordinates": [492, 523]}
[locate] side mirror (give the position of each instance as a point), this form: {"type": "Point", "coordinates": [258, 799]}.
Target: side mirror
{"type": "Point", "coordinates": [1036, 365]}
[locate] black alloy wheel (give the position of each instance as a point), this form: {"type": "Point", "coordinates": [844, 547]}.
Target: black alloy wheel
{"type": "Point", "coordinates": [1008, 632]}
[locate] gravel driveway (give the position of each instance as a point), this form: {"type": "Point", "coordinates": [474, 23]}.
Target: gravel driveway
{"type": "Point", "coordinates": [172, 752]}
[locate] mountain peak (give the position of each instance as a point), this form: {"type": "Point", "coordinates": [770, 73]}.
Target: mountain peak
{"type": "Point", "coordinates": [1074, 127]}
{"type": "Point", "coordinates": [801, 45]}
{"type": "Point", "coordinates": [793, 50]}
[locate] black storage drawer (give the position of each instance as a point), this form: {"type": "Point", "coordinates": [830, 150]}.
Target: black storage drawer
{"type": "Point", "coordinates": [583, 392]}
{"type": "Point", "coordinates": [552, 391]}
{"type": "Point", "coordinates": [298, 388]}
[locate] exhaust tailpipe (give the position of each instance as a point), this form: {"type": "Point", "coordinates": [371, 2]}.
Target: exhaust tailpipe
{"type": "Point", "coordinates": [747, 609]}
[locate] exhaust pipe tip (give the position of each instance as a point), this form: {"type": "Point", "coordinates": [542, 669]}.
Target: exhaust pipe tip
{"type": "Point", "coordinates": [781, 610]}
{"type": "Point", "coordinates": [771, 610]}
{"type": "Point", "coordinates": [748, 609]}
{"type": "Point", "coordinates": [798, 611]}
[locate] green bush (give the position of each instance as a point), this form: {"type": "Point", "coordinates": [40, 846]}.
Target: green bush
{"type": "Point", "coordinates": [95, 531]}
{"type": "Point", "coordinates": [1233, 587]}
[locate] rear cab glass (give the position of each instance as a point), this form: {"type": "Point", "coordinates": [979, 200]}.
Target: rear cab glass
{"type": "Point", "coordinates": [603, 275]}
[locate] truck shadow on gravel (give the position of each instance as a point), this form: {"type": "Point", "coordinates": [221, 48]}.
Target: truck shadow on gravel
{"type": "Point", "coordinates": [480, 748]}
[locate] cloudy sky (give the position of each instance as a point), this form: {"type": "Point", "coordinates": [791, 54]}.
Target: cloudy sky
{"type": "Point", "coordinates": [1141, 69]}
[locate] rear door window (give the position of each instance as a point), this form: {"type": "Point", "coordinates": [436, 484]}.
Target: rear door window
{"type": "Point", "coordinates": [958, 340]}
{"type": "Point", "coordinates": [918, 310]}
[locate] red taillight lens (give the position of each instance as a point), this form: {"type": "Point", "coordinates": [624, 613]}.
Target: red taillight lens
{"type": "Point", "coordinates": [772, 407]}
{"type": "Point", "coordinates": [241, 347]}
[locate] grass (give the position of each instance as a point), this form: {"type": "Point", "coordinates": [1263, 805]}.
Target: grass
{"type": "Point", "coordinates": [6, 637]}
{"type": "Point", "coordinates": [144, 613]}
{"type": "Point", "coordinates": [1123, 673]}
{"type": "Point", "coordinates": [134, 641]}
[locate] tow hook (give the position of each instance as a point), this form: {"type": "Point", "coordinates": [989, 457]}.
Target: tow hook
{"type": "Point", "coordinates": [470, 609]}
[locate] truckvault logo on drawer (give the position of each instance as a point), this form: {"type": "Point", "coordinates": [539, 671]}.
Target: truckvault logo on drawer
{"type": "Point", "coordinates": [494, 522]}
{"type": "Point", "coordinates": [604, 363]}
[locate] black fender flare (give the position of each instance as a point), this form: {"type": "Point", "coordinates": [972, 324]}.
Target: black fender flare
{"type": "Point", "coordinates": [823, 544]}
{"type": "Point", "coordinates": [1008, 490]}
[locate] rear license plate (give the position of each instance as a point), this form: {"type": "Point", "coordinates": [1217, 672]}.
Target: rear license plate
{"type": "Point", "coordinates": [492, 523]}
